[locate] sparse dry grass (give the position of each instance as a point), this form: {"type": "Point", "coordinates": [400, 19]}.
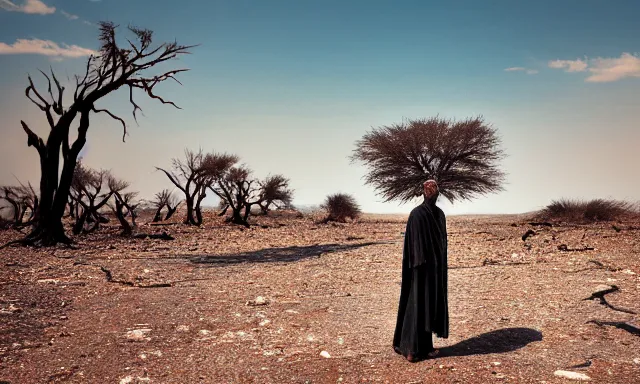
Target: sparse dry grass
{"type": "Point", "coordinates": [589, 211]}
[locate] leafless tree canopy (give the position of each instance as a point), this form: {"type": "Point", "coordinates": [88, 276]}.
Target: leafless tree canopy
{"type": "Point", "coordinates": [341, 206]}
{"type": "Point", "coordinates": [164, 199]}
{"type": "Point", "coordinates": [91, 190]}
{"type": "Point", "coordinates": [124, 206]}
{"type": "Point", "coordinates": [239, 192]}
{"type": "Point", "coordinates": [463, 156]}
{"type": "Point", "coordinates": [21, 199]}
{"type": "Point", "coordinates": [275, 192]}
{"type": "Point", "coordinates": [127, 65]}
{"type": "Point", "coordinates": [194, 175]}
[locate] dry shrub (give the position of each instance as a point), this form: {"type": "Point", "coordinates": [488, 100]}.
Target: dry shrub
{"type": "Point", "coordinates": [592, 210]}
{"type": "Point", "coordinates": [341, 206]}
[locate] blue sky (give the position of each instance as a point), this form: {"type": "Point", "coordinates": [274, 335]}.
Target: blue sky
{"type": "Point", "coordinates": [291, 85]}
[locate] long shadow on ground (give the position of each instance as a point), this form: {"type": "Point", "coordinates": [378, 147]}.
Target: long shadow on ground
{"type": "Point", "coordinates": [498, 341]}
{"type": "Point", "coordinates": [278, 254]}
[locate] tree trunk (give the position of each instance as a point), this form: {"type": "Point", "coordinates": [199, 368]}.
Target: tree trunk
{"type": "Point", "coordinates": [54, 191]}
{"type": "Point", "coordinates": [198, 210]}
{"type": "Point", "coordinates": [224, 211]}
{"type": "Point", "coordinates": [79, 224]}
{"type": "Point", "coordinates": [158, 216]}
{"type": "Point", "coordinates": [238, 218]}
{"type": "Point", "coordinates": [72, 209]}
{"type": "Point", "coordinates": [170, 211]}
{"type": "Point", "coordinates": [126, 227]}
{"type": "Point", "coordinates": [190, 219]}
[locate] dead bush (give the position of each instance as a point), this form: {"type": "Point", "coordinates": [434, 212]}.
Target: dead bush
{"type": "Point", "coordinates": [591, 210]}
{"type": "Point", "coordinates": [340, 207]}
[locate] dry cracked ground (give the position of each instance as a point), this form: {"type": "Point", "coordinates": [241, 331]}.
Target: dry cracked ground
{"type": "Point", "coordinates": [291, 301]}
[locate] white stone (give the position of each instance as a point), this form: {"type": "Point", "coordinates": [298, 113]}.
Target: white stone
{"type": "Point", "coordinates": [204, 332]}
{"type": "Point", "coordinates": [126, 380]}
{"type": "Point", "coordinates": [138, 334]}
{"type": "Point", "coordinates": [572, 375]}
{"type": "Point", "coordinates": [264, 322]}
{"type": "Point", "coordinates": [182, 328]}
{"type": "Point", "coordinates": [637, 360]}
{"type": "Point", "coordinates": [325, 354]}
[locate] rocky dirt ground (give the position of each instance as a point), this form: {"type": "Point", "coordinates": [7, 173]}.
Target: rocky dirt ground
{"type": "Point", "coordinates": [291, 301]}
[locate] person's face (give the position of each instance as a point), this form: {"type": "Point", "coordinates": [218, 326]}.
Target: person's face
{"type": "Point", "coordinates": [430, 189]}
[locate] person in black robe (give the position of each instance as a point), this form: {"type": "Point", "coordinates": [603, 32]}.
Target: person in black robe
{"type": "Point", "coordinates": [423, 308]}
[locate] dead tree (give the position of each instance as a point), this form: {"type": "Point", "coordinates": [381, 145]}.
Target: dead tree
{"type": "Point", "coordinates": [164, 199]}
{"type": "Point", "coordinates": [239, 192]}
{"type": "Point", "coordinates": [190, 177]}
{"type": "Point", "coordinates": [22, 199]}
{"type": "Point", "coordinates": [11, 196]}
{"type": "Point", "coordinates": [114, 67]}
{"type": "Point", "coordinates": [462, 156]}
{"type": "Point", "coordinates": [274, 192]}
{"type": "Point", "coordinates": [91, 190]}
{"type": "Point", "coordinates": [124, 206]}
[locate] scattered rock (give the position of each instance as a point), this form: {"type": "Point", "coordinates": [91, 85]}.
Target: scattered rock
{"type": "Point", "coordinates": [134, 380]}
{"type": "Point", "coordinates": [138, 334]}
{"type": "Point", "coordinates": [182, 328]}
{"type": "Point", "coordinates": [325, 354]}
{"type": "Point", "coordinates": [572, 375]}
{"type": "Point", "coordinates": [637, 360]}
{"type": "Point", "coordinates": [11, 310]}
{"type": "Point", "coordinates": [264, 322]}
{"type": "Point", "coordinates": [583, 364]}
{"type": "Point", "coordinates": [204, 332]}
{"type": "Point", "coordinates": [258, 301]}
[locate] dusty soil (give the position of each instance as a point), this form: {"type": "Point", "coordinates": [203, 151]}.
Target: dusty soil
{"type": "Point", "coordinates": [187, 311]}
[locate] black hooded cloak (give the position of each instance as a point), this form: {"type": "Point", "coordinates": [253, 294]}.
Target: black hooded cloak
{"type": "Point", "coordinates": [423, 308]}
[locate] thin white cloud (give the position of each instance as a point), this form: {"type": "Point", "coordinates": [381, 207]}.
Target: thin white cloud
{"type": "Point", "coordinates": [30, 6]}
{"type": "Point", "coordinates": [569, 65]}
{"type": "Point", "coordinates": [614, 69]}
{"type": "Point", "coordinates": [603, 70]}
{"type": "Point", "coordinates": [521, 69]}
{"type": "Point", "coordinates": [69, 15]}
{"type": "Point", "coordinates": [44, 47]}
